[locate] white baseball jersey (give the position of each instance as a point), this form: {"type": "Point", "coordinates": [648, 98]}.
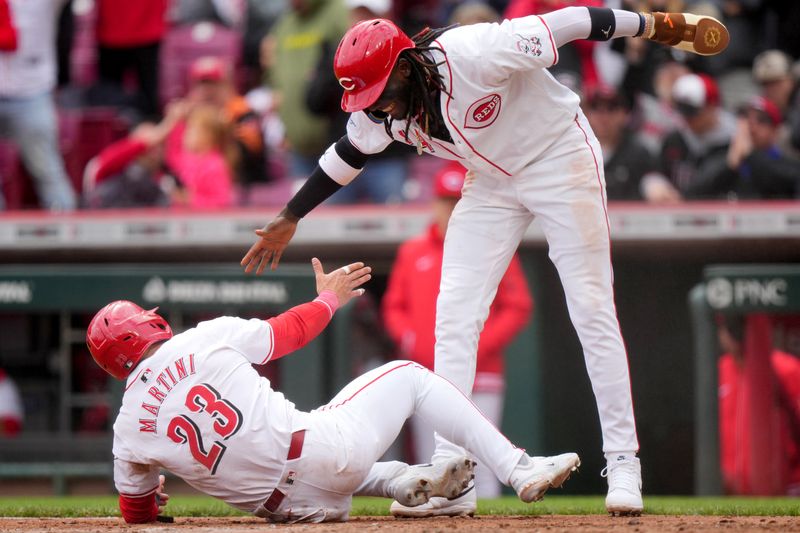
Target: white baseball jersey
{"type": "Point", "coordinates": [199, 409]}
{"type": "Point", "coordinates": [533, 154]}
{"type": "Point", "coordinates": [504, 108]}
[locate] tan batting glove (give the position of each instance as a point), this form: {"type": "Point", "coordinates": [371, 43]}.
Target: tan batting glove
{"type": "Point", "coordinates": [698, 34]}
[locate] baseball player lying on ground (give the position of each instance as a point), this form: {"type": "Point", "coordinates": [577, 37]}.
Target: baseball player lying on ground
{"type": "Point", "coordinates": [481, 94]}
{"type": "Point", "coordinates": [194, 405]}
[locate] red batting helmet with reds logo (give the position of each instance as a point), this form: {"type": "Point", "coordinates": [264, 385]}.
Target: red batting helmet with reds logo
{"type": "Point", "coordinates": [365, 59]}
{"type": "Point", "coordinates": [121, 332]}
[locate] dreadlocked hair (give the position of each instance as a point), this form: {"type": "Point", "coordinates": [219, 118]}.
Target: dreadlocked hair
{"type": "Point", "coordinates": [424, 76]}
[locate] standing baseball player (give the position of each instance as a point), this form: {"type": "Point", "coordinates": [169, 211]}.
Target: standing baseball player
{"type": "Point", "coordinates": [193, 404]}
{"type": "Point", "coordinates": [481, 95]}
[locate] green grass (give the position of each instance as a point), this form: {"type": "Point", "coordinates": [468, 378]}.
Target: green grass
{"type": "Point", "coordinates": [180, 505]}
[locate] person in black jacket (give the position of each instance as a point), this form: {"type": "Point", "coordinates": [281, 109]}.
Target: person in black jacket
{"type": "Point", "coordinates": [629, 166]}
{"type": "Point", "coordinates": [693, 157]}
{"type": "Point", "coordinates": [761, 168]}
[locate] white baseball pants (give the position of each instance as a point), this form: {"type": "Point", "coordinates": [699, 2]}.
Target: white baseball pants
{"type": "Point", "coordinates": [347, 436]}
{"type": "Point", "coordinates": [566, 192]}
{"type": "Point", "coordinates": [491, 405]}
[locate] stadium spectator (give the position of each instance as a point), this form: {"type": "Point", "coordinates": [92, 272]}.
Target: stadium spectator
{"type": "Point", "coordinates": [650, 69]}
{"type": "Point", "coordinates": [772, 71]}
{"type": "Point", "coordinates": [384, 183]}
{"type": "Point", "coordinates": [11, 412]}
{"type": "Point", "coordinates": [131, 172]}
{"type": "Point", "coordinates": [129, 37]}
{"type": "Point", "coordinates": [291, 53]}
{"type": "Point", "coordinates": [260, 15]}
{"type": "Point", "coordinates": [735, 420]}
{"type": "Point", "coordinates": [694, 157]}
{"type": "Point", "coordinates": [205, 161]}
{"type": "Point", "coordinates": [27, 111]}
{"type": "Point", "coordinates": [746, 20]}
{"type": "Point", "coordinates": [211, 83]}
{"type": "Point", "coordinates": [761, 169]}
{"type": "Point", "coordinates": [656, 115]}
{"type": "Point", "coordinates": [409, 312]}
{"type": "Point", "coordinates": [630, 168]}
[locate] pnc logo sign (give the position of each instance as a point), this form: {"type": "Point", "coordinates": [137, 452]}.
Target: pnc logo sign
{"type": "Point", "coordinates": [483, 112]}
{"type": "Point", "coordinates": [722, 293]}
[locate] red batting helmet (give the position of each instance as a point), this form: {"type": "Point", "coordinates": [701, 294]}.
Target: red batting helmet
{"type": "Point", "coordinates": [120, 333]}
{"type": "Point", "coordinates": [365, 59]}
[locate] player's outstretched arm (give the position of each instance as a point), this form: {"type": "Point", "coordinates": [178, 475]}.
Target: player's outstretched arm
{"type": "Point", "coordinates": [698, 34]}
{"type": "Point", "coordinates": [337, 167]}
{"type": "Point", "coordinates": [299, 325]}
{"type": "Point", "coordinates": [344, 282]}
{"type": "Point", "coordinates": [272, 240]}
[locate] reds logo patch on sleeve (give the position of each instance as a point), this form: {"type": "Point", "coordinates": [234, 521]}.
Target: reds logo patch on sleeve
{"type": "Point", "coordinates": [483, 112]}
{"type": "Point", "coordinates": [529, 45]}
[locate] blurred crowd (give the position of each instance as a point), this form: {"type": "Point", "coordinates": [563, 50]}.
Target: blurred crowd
{"type": "Point", "coordinates": [220, 103]}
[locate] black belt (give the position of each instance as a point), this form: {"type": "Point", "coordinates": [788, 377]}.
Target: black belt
{"type": "Point", "coordinates": [295, 449]}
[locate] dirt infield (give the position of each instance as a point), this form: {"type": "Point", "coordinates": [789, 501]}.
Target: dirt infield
{"type": "Point", "coordinates": [547, 523]}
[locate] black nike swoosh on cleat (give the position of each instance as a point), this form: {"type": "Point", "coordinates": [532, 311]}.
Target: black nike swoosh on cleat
{"type": "Point", "coordinates": [466, 491]}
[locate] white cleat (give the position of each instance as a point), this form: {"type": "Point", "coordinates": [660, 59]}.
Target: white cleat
{"type": "Point", "coordinates": [420, 483]}
{"type": "Point", "coordinates": [534, 475]}
{"type": "Point", "coordinates": [624, 486]}
{"type": "Point", "coordinates": [464, 505]}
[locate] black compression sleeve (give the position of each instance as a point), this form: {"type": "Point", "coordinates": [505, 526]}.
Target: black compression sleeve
{"type": "Point", "coordinates": [317, 188]}
{"type": "Point", "coordinates": [350, 153]}
{"type": "Point", "coordinates": [603, 23]}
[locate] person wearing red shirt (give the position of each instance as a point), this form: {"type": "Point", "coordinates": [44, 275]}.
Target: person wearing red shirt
{"type": "Point", "coordinates": [211, 83]}
{"type": "Point", "coordinates": [735, 418]}
{"type": "Point", "coordinates": [409, 312]}
{"type": "Point", "coordinates": [129, 37]}
{"type": "Point", "coordinates": [130, 172]}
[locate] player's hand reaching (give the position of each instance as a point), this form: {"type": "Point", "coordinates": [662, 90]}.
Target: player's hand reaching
{"type": "Point", "coordinates": [272, 240]}
{"type": "Point", "coordinates": [161, 500]}
{"type": "Point", "coordinates": [161, 497]}
{"type": "Point", "coordinates": [344, 281]}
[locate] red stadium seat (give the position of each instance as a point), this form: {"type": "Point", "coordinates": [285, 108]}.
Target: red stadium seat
{"type": "Point", "coordinates": [84, 133]}
{"type": "Point", "coordinates": [183, 44]}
